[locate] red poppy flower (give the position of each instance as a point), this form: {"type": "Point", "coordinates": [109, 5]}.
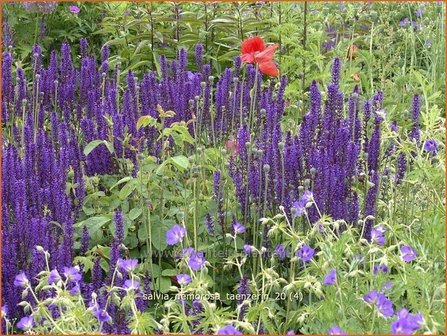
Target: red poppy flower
{"type": "Point", "coordinates": [232, 147]}
{"type": "Point", "coordinates": [254, 51]}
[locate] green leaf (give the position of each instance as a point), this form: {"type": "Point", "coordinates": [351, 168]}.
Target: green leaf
{"type": "Point", "coordinates": [143, 323]}
{"type": "Point", "coordinates": [124, 179]}
{"type": "Point", "coordinates": [95, 143]}
{"type": "Point", "coordinates": [109, 146]}
{"type": "Point", "coordinates": [93, 224]}
{"type": "Point", "coordinates": [169, 272]}
{"type": "Point", "coordinates": [86, 262]}
{"type": "Point", "coordinates": [146, 121]}
{"type": "Point", "coordinates": [142, 233]}
{"type": "Point", "coordinates": [135, 213]}
{"type": "Point", "coordinates": [159, 237]}
{"type": "Point", "coordinates": [160, 169]}
{"type": "Point", "coordinates": [128, 189]}
{"type": "Point", "coordinates": [181, 161]}
{"type": "Point", "coordinates": [164, 283]}
{"type": "Point", "coordinates": [91, 146]}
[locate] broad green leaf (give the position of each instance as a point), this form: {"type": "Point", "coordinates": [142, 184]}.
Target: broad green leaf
{"type": "Point", "coordinates": [135, 213]}
{"type": "Point", "coordinates": [159, 237]}
{"type": "Point", "coordinates": [91, 146]}
{"type": "Point", "coordinates": [146, 120]}
{"type": "Point", "coordinates": [142, 233]}
{"type": "Point", "coordinates": [181, 161]}
{"type": "Point", "coordinates": [164, 283]}
{"type": "Point", "coordinates": [95, 143]}
{"type": "Point", "coordinates": [93, 224]}
{"type": "Point", "coordinates": [123, 180]}
{"type": "Point", "coordinates": [128, 189]}
{"type": "Point", "coordinates": [169, 272]}
{"type": "Point", "coordinates": [109, 146]}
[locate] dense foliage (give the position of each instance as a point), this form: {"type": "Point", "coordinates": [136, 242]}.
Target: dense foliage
{"type": "Point", "coordinates": [161, 177]}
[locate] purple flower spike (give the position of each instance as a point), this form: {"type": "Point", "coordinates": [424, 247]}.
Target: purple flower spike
{"type": "Point", "coordinates": [305, 253]}
{"type": "Point", "coordinates": [21, 280]}
{"type": "Point", "coordinates": [26, 323]}
{"type": "Point", "coordinates": [183, 279]}
{"type": "Point", "coordinates": [74, 9]}
{"type": "Point", "coordinates": [196, 260]}
{"type": "Point", "coordinates": [54, 277]}
{"type": "Point", "coordinates": [330, 278]}
{"type": "Point", "coordinates": [72, 274]}
{"type": "Point", "coordinates": [131, 285]}
{"type": "Point", "coordinates": [431, 146]}
{"type": "Point", "coordinates": [127, 265]}
{"type": "Point", "coordinates": [336, 330]}
{"type": "Point", "coordinates": [175, 234]}
{"type": "Point", "coordinates": [407, 253]}
{"type": "Point", "coordinates": [228, 330]}
{"type": "Point", "coordinates": [238, 228]}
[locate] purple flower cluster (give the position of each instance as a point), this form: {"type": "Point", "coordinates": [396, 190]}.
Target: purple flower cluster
{"type": "Point", "coordinates": [269, 169]}
{"type": "Point", "coordinates": [305, 253]}
{"type": "Point", "coordinates": [377, 235]}
{"type": "Point", "coordinates": [195, 259]}
{"type": "Point", "coordinates": [244, 292]}
{"type": "Point", "coordinates": [331, 278]}
{"type": "Point", "coordinates": [408, 254]}
{"type": "Point", "coordinates": [175, 234]}
{"type": "Point", "coordinates": [407, 323]}
{"type": "Point", "coordinates": [383, 304]}
{"type": "Point", "coordinates": [431, 146]}
{"type": "Point", "coordinates": [325, 157]}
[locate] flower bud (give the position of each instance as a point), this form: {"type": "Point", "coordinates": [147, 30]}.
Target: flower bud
{"type": "Point", "coordinates": [307, 183]}
{"type": "Point", "coordinates": [39, 248]}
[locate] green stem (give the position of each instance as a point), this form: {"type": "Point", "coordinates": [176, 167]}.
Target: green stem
{"type": "Point", "coordinates": [196, 205]}
{"type": "Point", "coordinates": [253, 100]}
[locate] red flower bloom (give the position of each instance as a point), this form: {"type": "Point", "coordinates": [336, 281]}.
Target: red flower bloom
{"type": "Point", "coordinates": [254, 51]}
{"type": "Point", "coordinates": [232, 147]}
